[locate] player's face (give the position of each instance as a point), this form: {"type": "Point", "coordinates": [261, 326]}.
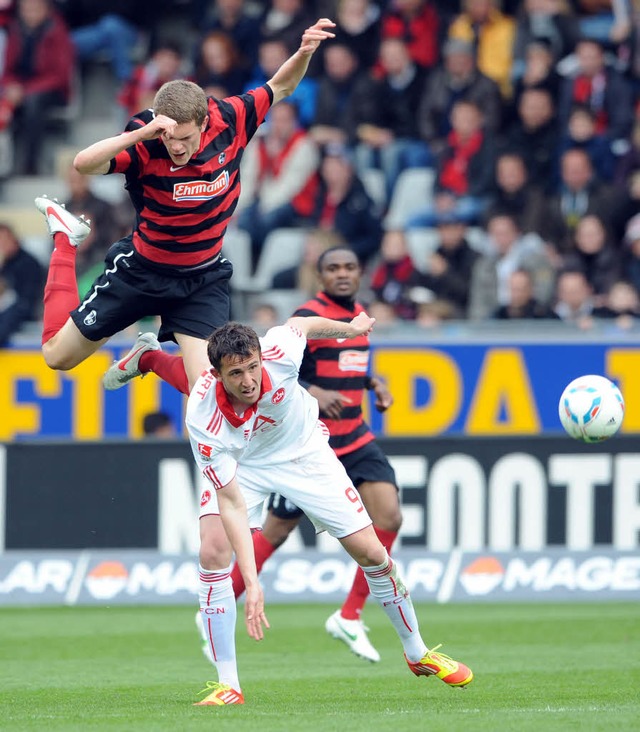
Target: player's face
{"type": "Point", "coordinates": [241, 378]}
{"type": "Point", "coordinates": [184, 143]}
{"type": "Point", "coordinates": [340, 274]}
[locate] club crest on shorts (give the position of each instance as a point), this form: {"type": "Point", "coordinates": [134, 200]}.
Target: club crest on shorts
{"type": "Point", "coordinates": [205, 497]}
{"type": "Point", "coordinates": [278, 396]}
{"type": "Point", "coordinates": [90, 318]}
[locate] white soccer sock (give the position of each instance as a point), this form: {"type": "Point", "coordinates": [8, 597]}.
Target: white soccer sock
{"type": "Point", "coordinates": [218, 609]}
{"type": "Point", "coordinates": [387, 587]}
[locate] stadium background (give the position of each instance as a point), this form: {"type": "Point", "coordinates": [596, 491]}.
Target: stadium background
{"type": "Point", "coordinates": [474, 436]}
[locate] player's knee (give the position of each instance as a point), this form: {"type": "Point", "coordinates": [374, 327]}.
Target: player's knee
{"type": "Point", "coordinates": [214, 554]}
{"type": "Point", "coordinates": [57, 361]}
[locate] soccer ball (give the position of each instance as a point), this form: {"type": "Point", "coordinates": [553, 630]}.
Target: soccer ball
{"type": "Point", "coordinates": [591, 408]}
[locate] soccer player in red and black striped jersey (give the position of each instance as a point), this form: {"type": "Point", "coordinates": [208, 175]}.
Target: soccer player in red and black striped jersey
{"type": "Point", "coordinates": [336, 374]}
{"type": "Point", "coordinates": [181, 164]}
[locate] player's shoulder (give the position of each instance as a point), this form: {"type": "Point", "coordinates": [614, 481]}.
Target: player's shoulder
{"type": "Point", "coordinates": [279, 340]}
{"type": "Point", "coordinates": [204, 391]}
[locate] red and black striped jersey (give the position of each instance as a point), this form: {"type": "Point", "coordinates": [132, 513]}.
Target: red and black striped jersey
{"type": "Point", "coordinates": [338, 365]}
{"type": "Point", "coordinates": [182, 212]}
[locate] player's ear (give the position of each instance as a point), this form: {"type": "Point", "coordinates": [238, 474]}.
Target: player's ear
{"type": "Point", "coordinates": [204, 124]}
{"type": "Point", "coordinates": [216, 373]}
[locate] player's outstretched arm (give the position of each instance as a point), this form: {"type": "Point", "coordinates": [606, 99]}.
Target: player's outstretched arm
{"type": "Point", "coordinates": [289, 75]}
{"type": "Point", "coordinates": [95, 159]}
{"type": "Point", "coordinates": [317, 327]}
{"type": "Point", "coordinates": [233, 512]}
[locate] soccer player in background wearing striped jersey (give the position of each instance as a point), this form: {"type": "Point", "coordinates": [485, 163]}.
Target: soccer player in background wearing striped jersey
{"type": "Point", "coordinates": [181, 164]}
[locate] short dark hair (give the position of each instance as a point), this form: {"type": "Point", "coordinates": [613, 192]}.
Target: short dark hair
{"type": "Point", "coordinates": [153, 421]}
{"type": "Point", "coordinates": [232, 339]}
{"type": "Point", "coordinates": [339, 248]}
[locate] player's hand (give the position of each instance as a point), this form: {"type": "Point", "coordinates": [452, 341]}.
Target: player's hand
{"type": "Point", "coordinates": [362, 324]}
{"type": "Point", "coordinates": [331, 402]}
{"type": "Point", "coordinates": [314, 36]}
{"type": "Point", "coordinates": [254, 615]}
{"type": "Point", "coordinates": [383, 396]}
{"type": "Point", "coordinates": [160, 125]}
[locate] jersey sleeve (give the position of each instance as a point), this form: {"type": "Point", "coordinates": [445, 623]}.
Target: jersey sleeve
{"type": "Point", "coordinates": [284, 343]}
{"type": "Point", "coordinates": [250, 110]}
{"type": "Point", "coordinates": [211, 458]}
{"type": "Point", "coordinates": [123, 161]}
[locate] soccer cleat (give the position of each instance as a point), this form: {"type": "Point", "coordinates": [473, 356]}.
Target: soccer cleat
{"type": "Point", "coordinates": [354, 634]}
{"type": "Point", "coordinates": [128, 367]}
{"type": "Point", "coordinates": [451, 672]}
{"type": "Point", "coordinates": [221, 695]}
{"type": "Point", "coordinates": [59, 220]}
{"type": "Point", "coordinates": [206, 648]}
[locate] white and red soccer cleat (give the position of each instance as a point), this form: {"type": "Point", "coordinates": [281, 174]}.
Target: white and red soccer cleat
{"type": "Point", "coordinates": [61, 221]}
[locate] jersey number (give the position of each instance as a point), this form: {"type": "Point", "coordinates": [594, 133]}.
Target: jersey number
{"type": "Point", "coordinates": [351, 494]}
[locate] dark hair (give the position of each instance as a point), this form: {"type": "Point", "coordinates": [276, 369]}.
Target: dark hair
{"type": "Point", "coordinates": [154, 421]}
{"type": "Point", "coordinates": [234, 340]}
{"type": "Point", "coordinates": [339, 248]}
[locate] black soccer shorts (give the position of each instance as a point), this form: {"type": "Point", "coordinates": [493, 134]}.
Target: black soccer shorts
{"type": "Point", "coordinates": [128, 290]}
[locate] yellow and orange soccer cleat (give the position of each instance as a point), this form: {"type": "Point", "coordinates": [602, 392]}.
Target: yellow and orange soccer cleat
{"type": "Point", "coordinates": [219, 695]}
{"type": "Point", "coordinates": [451, 672]}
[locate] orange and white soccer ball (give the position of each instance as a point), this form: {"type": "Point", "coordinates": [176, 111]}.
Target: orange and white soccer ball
{"type": "Point", "coordinates": [591, 408]}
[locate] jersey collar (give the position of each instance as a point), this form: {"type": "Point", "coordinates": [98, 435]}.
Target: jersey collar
{"type": "Point", "coordinates": [227, 408]}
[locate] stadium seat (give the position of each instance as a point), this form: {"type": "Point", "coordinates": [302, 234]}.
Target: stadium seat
{"type": "Point", "coordinates": [412, 192]}
{"type": "Point", "coordinates": [237, 249]}
{"type": "Point", "coordinates": [421, 243]}
{"type": "Point", "coordinates": [282, 249]}
{"type": "Point", "coordinates": [284, 301]}
{"type": "Point", "coordinates": [373, 181]}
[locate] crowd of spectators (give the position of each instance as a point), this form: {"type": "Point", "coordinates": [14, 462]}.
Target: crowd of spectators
{"type": "Point", "coordinates": [525, 112]}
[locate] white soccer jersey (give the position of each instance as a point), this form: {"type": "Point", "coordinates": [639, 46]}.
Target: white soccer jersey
{"type": "Point", "coordinates": [278, 444]}
{"type": "Point", "coordinates": [274, 430]}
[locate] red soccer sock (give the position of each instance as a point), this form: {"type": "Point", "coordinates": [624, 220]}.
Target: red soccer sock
{"type": "Point", "coordinates": [168, 367]}
{"type": "Point", "coordinates": [61, 289]}
{"type": "Point", "coordinates": [352, 607]}
{"type": "Point", "coordinates": [263, 549]}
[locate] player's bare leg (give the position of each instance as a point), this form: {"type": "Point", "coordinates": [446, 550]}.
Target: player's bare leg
{"type": "Point", "coordinates": [388, 588]}
{"type": "Point", "coordinates": [218, 612]}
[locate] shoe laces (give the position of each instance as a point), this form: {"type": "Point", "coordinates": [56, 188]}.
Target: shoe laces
{"type": "Point", "coordinates": [212, 686]}
{"type": "Point", "coordinates": [441, 658]}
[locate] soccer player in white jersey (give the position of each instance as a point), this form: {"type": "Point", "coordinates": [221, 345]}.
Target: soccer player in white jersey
{"type": "Point", "coordinates": [253, 428]}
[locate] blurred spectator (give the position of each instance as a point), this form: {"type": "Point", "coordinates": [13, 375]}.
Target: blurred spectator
{"type": "Point", "coordinates": [538, 72]}
{"type": "Point", "coordinates": [393, 273]}
{"type": "Point", "coordinates": [629, 163]}
{"type": "Point", "coordinates": [112, 27]}
{"type": "Point", "coordinates": [304, 276]}
{"type": "Point", "coordinates": [521, 301]}
{"type": "Point", "coordinates": [271, 55]}
{"type": "Point", "coordinates": [580, 194]}
{"type": "Point", "coordinates": [516, 194]}
{"type": "Point", "coordinates": [493, 35]}
{"type": "Point", "coordinates": [342, 79]}
{"type": "Point", "coordinates": [232, 18]}
{"type": "Point", "coordinates": [433, 314]}
{"type": "Point", "coordinates": [166, 63]}
{"type": "Point", "coordinates": [358, 26]}
{"type": "Point", "coordinates": [631, 254]}
{"type": "Point", "coordinates": [464, 178]}
{"type": "Point", "coordinates": [343, 205]}
{"type": "Point", "coordinates": [279, 173]}
{"type": "Point", "coordinates": [264, 315]}
{"type": "Point", "coordinates": [604, 90]}
{"type": "Point", "coordinates": [159, 425]}
{"type": "Point", "coordinates": [607, 21]}
{"type": "Point", "coordinates": [535, 134]}
{"type": "Point", "coordinates": [38, 74]}
{"type": "Point", "coordinates": [386, 116]}
{"type": "Point", "coordinates": [594, 254]}
{"type": "Point", "coordinates": [620, 304]}
{"type": "Point", "coordinates": [7, 11]}
{"type": "Point", "coordinates": [417, 23]}
{"type": "Point", "coordinates": [581, 133]}
{"type": "Point", "coordinates": [384, 313]}
{"type": "Point", "coordinates": [509, 250]}
{"type": "Point", "coordinates": [21, 285]}
{"type": "Point", "coordinates": [447, 272]}
{"type": "Point", "coordinates": [574, 302]}
{"type": "Point", "coordinates": [105, 223]}
{"type": "Point", "coordinates": [286, 21]}
{"type": "Point", "coordinates": [456, 78]}
{"type": "Point", "coordinates": [218, 69]}
{"type": "Point", "coordinates": [549, 23]}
